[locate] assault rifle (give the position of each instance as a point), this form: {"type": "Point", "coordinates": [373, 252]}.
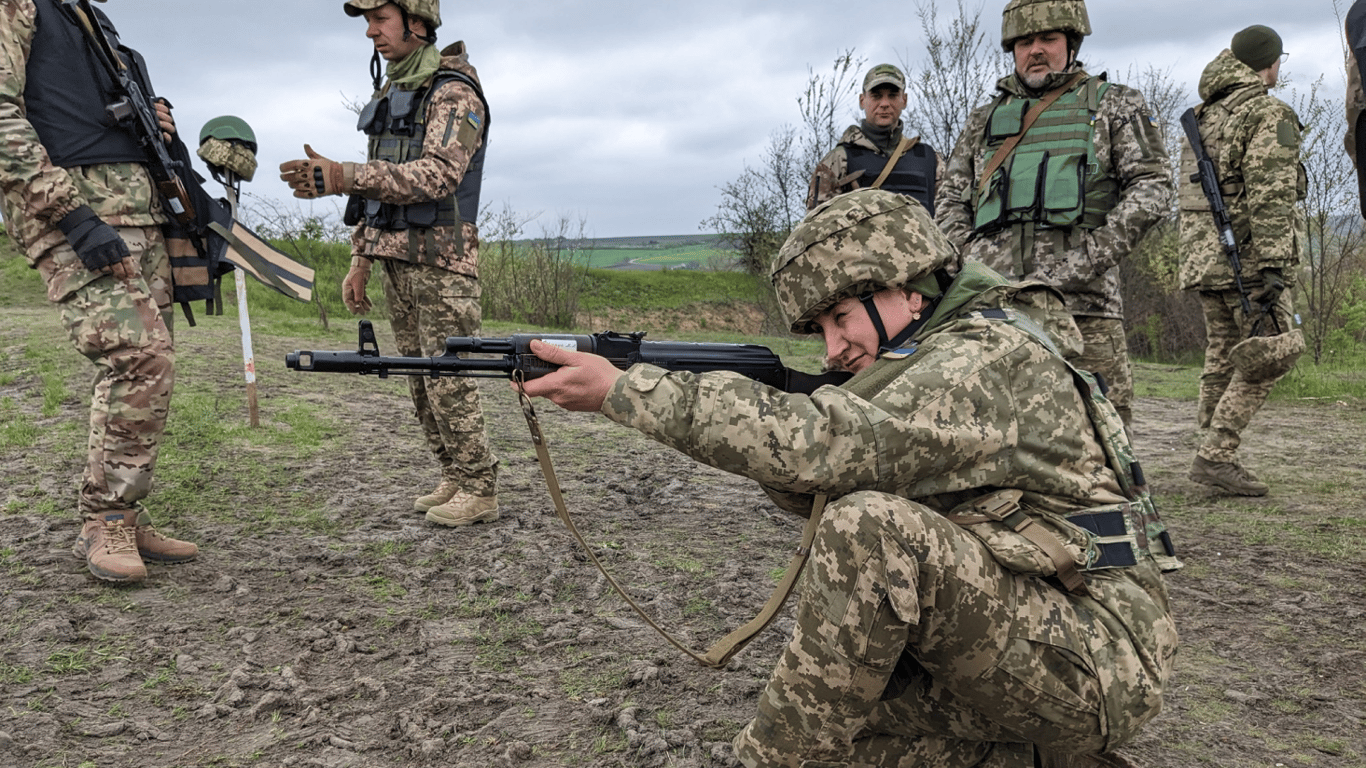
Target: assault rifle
{"type": "Point", "coordinates": [134, 109]}
{"type": "Point", "coordinates": [623, 350]}
{"type": "Point", "coordinates": [1208, 177]}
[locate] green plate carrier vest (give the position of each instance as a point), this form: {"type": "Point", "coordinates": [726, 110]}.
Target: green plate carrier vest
{"type": "Point", "coordinates": [1052, 179]}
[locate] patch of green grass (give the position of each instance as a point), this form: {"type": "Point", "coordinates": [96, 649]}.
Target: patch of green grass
{"type": "Point", "coordinates": [579, 684]}
{"type": "Point", "coordinates": [13, 675]}
{"type": "Point", "coordinates": [69, 661]}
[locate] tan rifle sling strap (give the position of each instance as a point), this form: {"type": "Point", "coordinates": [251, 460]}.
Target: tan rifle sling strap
{"type": "Point", "coordinates": [902, 148]}
{"type": "Point", "coordinates": [731, 644]}
{"type": "Point", "coordinates": [1032, 115]}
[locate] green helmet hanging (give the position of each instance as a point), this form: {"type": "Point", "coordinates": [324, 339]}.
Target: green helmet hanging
{"type": "Point", "coordinates": [228, 128]}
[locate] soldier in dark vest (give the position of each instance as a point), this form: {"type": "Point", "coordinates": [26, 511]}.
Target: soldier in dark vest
{"type": "Point", "coordinates": [876, 153]}
{"type": "Point", "coordinates": [415, 203]}
{"type": "Point", "coordinates": [1058, 178]}
{"type": "Point", "coordinates": [79, 203]}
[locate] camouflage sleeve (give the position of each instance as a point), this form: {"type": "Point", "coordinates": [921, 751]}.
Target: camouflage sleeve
{"type": "Point", "coordinates": [455, 120]}
{"type": "Point", "coordinates": [1139, 162]}
{"type": "Point", "coordinates": [1270, 164]}
{"type": "Point", "coordinates": [825, 178]}
{"type": "Point", "coordinates": [1356, 104]}
{"type": "Point", "coordinates": [33, 188]}
{"type": "Point", "coordinates": [953, 207]}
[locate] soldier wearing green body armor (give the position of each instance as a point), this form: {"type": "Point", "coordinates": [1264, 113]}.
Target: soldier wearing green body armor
{"type": "Point", "coordinates": [1253, 139]}
{"type": "Point", "coordinates": [984, 587]}
{"type": "Point", "coordinates": [1058, 178]}
{"type": "Point", "coordinates": [415, 203]}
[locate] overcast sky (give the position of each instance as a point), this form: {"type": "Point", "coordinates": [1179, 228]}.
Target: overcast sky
{"type": "Point", "coordinates": [627, 115]}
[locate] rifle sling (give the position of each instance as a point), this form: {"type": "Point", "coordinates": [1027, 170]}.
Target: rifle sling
{"type": "Point", "coordinates": [731, 644]}
{"type": "Point", "coordinates": [1008, 147]}
{"type": "Point", "coordinates": [902, 147]}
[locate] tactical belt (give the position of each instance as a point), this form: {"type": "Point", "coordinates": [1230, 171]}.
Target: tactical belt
{"type": "Point", "coordinates": [731, 644]}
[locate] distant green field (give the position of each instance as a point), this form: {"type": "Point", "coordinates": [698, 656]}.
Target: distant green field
{"type": "Point", "coordinates": [693, 251]}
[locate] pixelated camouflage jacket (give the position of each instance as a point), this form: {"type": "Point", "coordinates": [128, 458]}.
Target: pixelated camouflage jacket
{"type": "Point", "coordinates": [434, 176]}
{"type": "Point", "coordinates": [950, 427]}
{"type": "Point", "coordinates": [1080, 263]}
{"type": "Point", "coordinates": [36, 193]}
{"type": "Point", "coordinates": [830, 171]}
{"type": "Point", "coordinates": [1256, 151]}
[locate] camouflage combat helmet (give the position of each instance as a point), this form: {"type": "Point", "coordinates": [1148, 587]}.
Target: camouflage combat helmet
{"type": "Point", "coordinates": [227, 143]}
{"type": "Point", "coordinates": [1267, 358]}
{"type": "Point", "coordinates": [427, 10]}
{"type": "Point", "coordinates": [1030, 17]}
{"type": "Point", "coordinates": [855, 244]}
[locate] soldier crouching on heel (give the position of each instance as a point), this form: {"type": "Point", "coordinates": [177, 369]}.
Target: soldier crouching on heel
{"type": "Point", "coordinates": [959, 609]}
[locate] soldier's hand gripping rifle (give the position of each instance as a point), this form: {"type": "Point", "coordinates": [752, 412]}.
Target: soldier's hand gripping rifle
{"type": "Point", "coordinates": [623, 350]}
{"type": "Point", "coordinates": [1208, 177]}
{"type": "Point", "coordinates": [135, 110]}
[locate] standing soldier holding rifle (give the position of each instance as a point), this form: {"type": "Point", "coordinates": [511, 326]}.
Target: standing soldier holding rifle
{"type": "Point", "coordinates": [1242, 237]}
{"type": "Point", "coordinates": [416, 202]}
{"type": "Point", "coordinates": [80, 200]}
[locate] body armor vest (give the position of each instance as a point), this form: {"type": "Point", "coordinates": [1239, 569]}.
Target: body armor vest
{"type": "Point", "coordinates": [396, 123]}
{"type": "Point", "coordinates": [913, 174]}
{"type": "Point", "coordinates": [67, 92]}
{"type": "Point", "coordinates": [1052, 179]}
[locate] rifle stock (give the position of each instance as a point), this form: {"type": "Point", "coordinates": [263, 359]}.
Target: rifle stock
{"type": "Point", "coordinates": [515, 358]}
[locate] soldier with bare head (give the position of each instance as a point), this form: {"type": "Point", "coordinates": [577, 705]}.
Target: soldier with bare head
{"type": "Point", "coordinates": [79, 202]}
{"type": "Point", "coordinates": [958, 607]}
{"type": "Point", "coordinates": [1253, 139]}
{"type": "Point", "coordinates": [1058, 178]}
{"type": "Point", "coordinates": [415, 204]}
{"type": "Point", "coordinates": [876, 153]}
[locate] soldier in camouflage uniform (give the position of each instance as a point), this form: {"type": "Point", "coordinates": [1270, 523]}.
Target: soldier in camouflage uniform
{"type": "Point", "coordinates": [929, 632]}
{"type": "Point", "coordinates": [862, 154]}
{"type": "Point", "coordinates": [1355, 28]}
{"type": "Point", "coordinates": [1253, 139]}
{"type": "Point", "coordinates": [79, 202]}
{"type": "Point", "coordinates": [1076, 194]}
{"type": "Point", "coordinates": [416, 202]}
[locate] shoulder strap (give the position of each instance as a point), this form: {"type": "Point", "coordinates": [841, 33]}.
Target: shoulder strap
{"type": "Point", "coordinates": [902, 148]}
{"type": "Point", "coordinates": [1029, 118]}
{"type": "Point", "coordinates": [731, 644]}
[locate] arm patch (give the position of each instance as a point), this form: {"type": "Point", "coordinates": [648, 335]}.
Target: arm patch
{"type": "Point", "coordinates": [470, 128]}
{"type": "Point", "coordinates": [1287, 134]}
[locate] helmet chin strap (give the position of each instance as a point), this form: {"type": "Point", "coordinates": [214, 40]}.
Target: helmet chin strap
{"type": "Point", "coordinates": [885, 344]}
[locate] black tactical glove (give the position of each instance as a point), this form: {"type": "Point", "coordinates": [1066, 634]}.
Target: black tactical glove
{"type": "Point", "coordinates": [96, 243]}
{"type": "Point", "coordinates": [1273, 284]}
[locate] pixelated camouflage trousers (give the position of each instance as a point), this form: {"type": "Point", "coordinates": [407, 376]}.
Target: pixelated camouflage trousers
{"type": "Point", "coordinates": [1107, 353]}
{"type": "Point", "coordinates": [427, 304]}
{"type": "Point", "coordinates": [914, 647]}
{"type": "Point", "coordinates": [124, 327]}
{"type": "Point", "coordinates": [1229, 399]}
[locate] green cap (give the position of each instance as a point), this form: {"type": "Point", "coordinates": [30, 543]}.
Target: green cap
{"type": "Point", "coordinates": [1258, 46]}
{"type": "Point", "coordinates": [884, 74]}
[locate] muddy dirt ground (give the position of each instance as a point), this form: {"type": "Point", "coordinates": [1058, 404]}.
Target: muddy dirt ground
{"type": "Point", "coordinates": [327, 625]}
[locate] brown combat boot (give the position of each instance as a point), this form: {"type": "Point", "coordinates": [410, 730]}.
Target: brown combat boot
{"type": "Point", "coordinates": [154, 546]}
{"type": "Point", "coordinates": [465, 509]}
{"type": "Point", "coordinates": [1228, 475]}
{"type": "Point", "coordinates": [436, 498]}
{"type": "Point", "coordinates": [109, 547]}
